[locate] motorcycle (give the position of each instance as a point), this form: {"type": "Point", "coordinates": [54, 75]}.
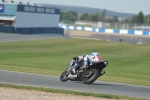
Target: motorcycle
{"type": "Point", "coordinates": [86, 75]}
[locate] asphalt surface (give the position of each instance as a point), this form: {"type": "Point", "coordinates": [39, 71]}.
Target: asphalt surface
{"type": "Point", "coordinates": [109, 37]}
{"type": "Point", "coordinates": [54, 82]}
{"type": "Point", "coordinates": [125, 38]}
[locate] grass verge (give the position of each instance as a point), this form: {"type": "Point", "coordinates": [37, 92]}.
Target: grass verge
{"type": "Point", "coordinates": [128, 63]}
{"type": "Point", "coordinates": [69, 92]}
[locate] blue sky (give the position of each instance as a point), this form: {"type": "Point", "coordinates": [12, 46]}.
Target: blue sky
{"type": "Point", "coordinates": [125, 6]}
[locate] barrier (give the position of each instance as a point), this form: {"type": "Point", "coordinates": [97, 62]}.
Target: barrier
{"type": "Point", "coordinates": [60, 31]}
{"type": "Point", "coordinates": [103, 30]}
{"type": "Point", "coordinates": [8, 29]}
{"type": "Point", "coordinates": [1, 27]}
{"type": "Point", "coordinates": [146, 33]}
{"type": "Point", "coordinates": [34, 30]}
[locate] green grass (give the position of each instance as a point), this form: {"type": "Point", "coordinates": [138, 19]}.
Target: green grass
{"type": "Point", "coordinates": [109, 96]}
{"type": "Point", "coordinates": [128, 63]}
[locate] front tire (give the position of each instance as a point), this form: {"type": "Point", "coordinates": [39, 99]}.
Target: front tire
{"type": "Point", "coordinates": [64, 76]}
{"type": "Point", "coordinates": [89, 80]}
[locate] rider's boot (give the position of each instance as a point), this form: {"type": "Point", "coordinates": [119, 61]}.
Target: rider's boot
{"type": "Point", "coordinates": [73, 71]}
{"type": "Point", "coordinates": [84, 67]}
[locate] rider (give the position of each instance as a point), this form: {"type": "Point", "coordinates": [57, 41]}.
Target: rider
{"type": "Point", "coordinates": [87, 59]}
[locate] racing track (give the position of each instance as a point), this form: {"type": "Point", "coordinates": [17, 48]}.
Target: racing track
{"type": "Point", "coordinates": [54, 82]}
{"type": "Point", "coordinates": [111, 37]}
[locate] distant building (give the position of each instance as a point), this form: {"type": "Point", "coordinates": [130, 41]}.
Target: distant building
{"type": "Point", "coordinates": [20, 14]}
{"type": "Point", "coordinates": [27, 18]}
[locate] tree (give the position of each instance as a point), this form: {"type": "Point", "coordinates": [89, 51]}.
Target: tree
{"type": "Point", "coordinates": [140, 18]}
{"type": "Point", "coordinates": [69, 16]}
{"type": "Point", "coordinates": [93, 17]}
{"type": "Point", "coordinates": [109, 20]}
{"type": "Point", "coordinates": [134, 19]}
{"type": "Point", "coordinates": [96, 15]}
{"type": "Point", "coordinates": [84, 16]}
{"type": "Point", "coordinates": [72, 15]}
{"type": "Point", "coordinates": [127, 21]}
{"type": "Point", "coordinates": [103, 15]}
{"type": "Point", "coordinates": [62, 15]}
{"type": "Point", "coordinates": [147, 19]}
{"type": "Point", "coordinates": [115, 19]}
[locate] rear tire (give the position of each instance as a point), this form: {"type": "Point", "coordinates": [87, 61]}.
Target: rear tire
{"type": "Point", "coordinates": [92, 78]}
{"type": "Point", "coordinates": [64, 77]}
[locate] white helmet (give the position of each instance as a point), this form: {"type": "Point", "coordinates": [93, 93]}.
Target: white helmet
{"type": "Point", "coordinates": [94, 53]}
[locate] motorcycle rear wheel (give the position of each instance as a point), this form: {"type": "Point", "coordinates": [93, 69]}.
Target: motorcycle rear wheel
{"type": "Point", "coordinates": [92, 78]}
{"type": "Point", "coordinates": [64, 76]}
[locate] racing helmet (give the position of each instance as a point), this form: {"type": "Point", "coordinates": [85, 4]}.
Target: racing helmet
{"type": "Point", "coordinates": [94, 53]}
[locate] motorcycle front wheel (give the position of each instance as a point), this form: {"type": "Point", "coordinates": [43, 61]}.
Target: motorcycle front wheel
{"type": "Point", "coordinates": [90, 79]}
{"type": "Point", "coordinates": [64, 76]}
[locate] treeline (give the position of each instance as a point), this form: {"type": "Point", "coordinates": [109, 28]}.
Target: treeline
{"type": "Point", "coordinates": [72, 16]}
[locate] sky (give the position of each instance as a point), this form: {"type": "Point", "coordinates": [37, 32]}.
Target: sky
{"type": "Point", "coordinates": [124, 6]}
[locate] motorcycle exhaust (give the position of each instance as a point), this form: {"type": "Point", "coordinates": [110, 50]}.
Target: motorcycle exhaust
{"type": "Point", "coordinates": [72, 76]}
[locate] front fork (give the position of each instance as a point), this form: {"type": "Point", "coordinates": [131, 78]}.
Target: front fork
{"type": "Point", "coordinates": [68, 71]}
